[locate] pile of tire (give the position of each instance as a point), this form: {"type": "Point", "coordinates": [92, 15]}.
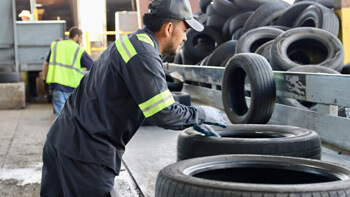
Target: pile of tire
{"type": "Point", "coordinates": [252, 38]}
{"type": "Point", "coordinates": [301, 37]}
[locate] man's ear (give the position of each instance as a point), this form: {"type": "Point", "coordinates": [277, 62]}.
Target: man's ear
{"type": "Point", "coordinates": [76, 38]}
{"type": "Point", "coordinates": [168, 29]}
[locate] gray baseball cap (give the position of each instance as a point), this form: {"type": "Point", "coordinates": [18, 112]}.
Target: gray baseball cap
{"type": "Point", "coordinates": [175, 9]}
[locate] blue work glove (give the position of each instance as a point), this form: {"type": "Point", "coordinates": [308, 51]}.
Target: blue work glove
{"type": "Point", "coordinates": [206, 129]}
{"type": "Point", "coordinates": [214, 117]}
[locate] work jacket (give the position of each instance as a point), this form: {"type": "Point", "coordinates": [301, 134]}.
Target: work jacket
{"type": "Point", "coordinates": [64, 65]}
{"type": "Point", "coordinates": [125, 85]}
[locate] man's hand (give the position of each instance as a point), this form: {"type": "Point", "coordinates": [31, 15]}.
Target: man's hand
{"type": "Point", "coordinates": [214, 117]}
{"type": "Point", "coordinates": [206, 129]}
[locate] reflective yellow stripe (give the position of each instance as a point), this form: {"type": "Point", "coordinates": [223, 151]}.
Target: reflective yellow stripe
{"type": "Point", "coordinates": [145, 38]}
{"type": "Point", "coordinates": [125, 48]}
{"type": "Point", "coordinates": [157, 103]}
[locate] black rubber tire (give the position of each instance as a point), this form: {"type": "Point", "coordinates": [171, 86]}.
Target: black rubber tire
{"type": "Point", "coordinates": [264, 50]}
{"type": "Point", "coordinates": [307, 46]}
{"type": "Point", "coordinates": [182, 98]}
{"type": "Point", "coordinates": [346, 69]}
{"type": "Point", "coordinates": [318, 16]}
{"type": "Point", "coordinates": [208, 36]}
{"type": "Point", "coordinates": [263, 89]}
{"type": "Point", "coordinates": [203, 4]}
{"type": "Point", "coordinates": [288, 17]}
{"type": "Point", "coordinates": [253, 4]}
{"type": "Point", "coordinates": [305, 69]}
{"type": "Point", "coordinates": [327, 3]}
{"type": "Point", "coordinates": [238, 22]}
{"type": "Point", "coordinates": [237, 34]}
{"type": "Point", "coordinates": [216, 22]}
{"type": "Point", "coordinates": [222, 52]}
{"type": "Point", "coordinates": [252, 175]}
{"type": "Point", "coordinates": [226, 8]}
{"type": "Point", "coordinates": [253, 39]}
{"type": "Point", "coordinates": [9, 77]}
{"type": "Point", "coordinates": [265, 15]}
{"type": "Point", "coordinates": [210, 10]}
{"type": "Point", "coordinates": [250, 139]}
{"type": "Point", "coordinates": [167, 58]}
{"type": "Point", "coordinates": [204, 61]}
{"type": "Point", "coordinates": [173, 83]}
{"type": "Point", "coordinates": [226, 28]}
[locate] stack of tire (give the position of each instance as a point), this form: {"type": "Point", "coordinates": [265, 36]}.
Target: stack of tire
{"type": "Point", "coordinates": [253, 158]}
{"type": "Point", "coordinates": [299, 38]}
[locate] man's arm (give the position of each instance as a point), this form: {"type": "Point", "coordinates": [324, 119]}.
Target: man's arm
{"type": "Point", "coordinates": [45, 69]}
{"type": "Point", "coordinates": [86, 61]}
{"type": "Point", "coordinates": [46, 65]}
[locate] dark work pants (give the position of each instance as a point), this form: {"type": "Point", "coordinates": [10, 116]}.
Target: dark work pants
{"type": "Point", "coordinates": [63, 176]}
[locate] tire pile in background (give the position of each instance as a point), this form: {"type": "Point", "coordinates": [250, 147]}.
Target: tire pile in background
{"type": "Point", "coordinates": [251, 38]}
{"type": "Point", "coordinates": [301, 37]}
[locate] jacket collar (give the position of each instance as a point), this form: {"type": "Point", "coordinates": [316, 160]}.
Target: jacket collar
{"type": "Point", "coordinates": [153, 37]}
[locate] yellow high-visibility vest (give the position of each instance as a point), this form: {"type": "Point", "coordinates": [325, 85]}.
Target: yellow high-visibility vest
{"type": "Point", "coordinates": [64, 65]}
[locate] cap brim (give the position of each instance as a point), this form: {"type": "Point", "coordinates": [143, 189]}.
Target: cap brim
{"type": "Point", "coordinates": [194, 24]}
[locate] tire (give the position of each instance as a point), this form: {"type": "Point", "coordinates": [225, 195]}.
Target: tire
{"type": "Point", "coordinates": [238, 22]}
{"type": "Point", "coordinates": [208, 36]}
{"type": "Point", "coordinates": [320, 17]}
{"type": "Point", "coordinates": [203, 4]}
{"type": "Point", "coordinates": [265, 15]}
{"type": "Point", "coordinates": [346, 69]}
{"type": "Point", "coordinates": [253, 39]}
{"type": "Point", "coordinates": [182, 98]}
{"type": "Point", "coordinates": [210, 10]}
{"type": "Point", "coordinates": [253, 4]}
{"type": "Point", "coordinates": [166, 58]}
{"type": "Point", "coordinates": [250, 139]}
{"type": "Point", "coordinates": [178, 57]}
{"type": "Point", "coordinates": [264, 50]}
{"type": "Point", "coordinates": [216, 22]}
{"type": "Point", "coordinates": [251, 175]}
{"type": "Point", "coordinates": [226, 28]}
{"type": "Point", "coordinates": [225, 8]}
{"type": "Point", "coordinates": [288, 17]}
{"type": "Point", "coordinates": [237, 34]}
{"type": "Point", "coordinates": [9, 77]}
{"type": "Point", "coordinates": [263, 89]}
{"type": "Point", "coordinates": [222, 52]}
{"type": "Point", "coordinates": [327, 3]}
{"type": "Point", "coordinates": [307, 46]}
{"type": "Point", "coordinates": [304, 104]}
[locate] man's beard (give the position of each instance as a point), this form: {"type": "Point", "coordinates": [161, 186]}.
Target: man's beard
{"type": "Point", "coordinates": [171, 49]}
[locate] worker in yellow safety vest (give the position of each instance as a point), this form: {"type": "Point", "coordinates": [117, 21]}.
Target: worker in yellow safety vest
{"type": "Point", "coordinates": [126, 84]}
{"type": "Point", "coordinates": [63, 67]}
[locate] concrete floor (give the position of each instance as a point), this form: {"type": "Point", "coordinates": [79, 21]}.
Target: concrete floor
{"type": "Point", "coordinates": [23, 132]}
{"type": "Point", "coordinates": [22, 136]}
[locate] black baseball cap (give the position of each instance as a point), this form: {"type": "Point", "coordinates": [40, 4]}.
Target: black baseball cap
{"type": "Point", "coordinates": [175, 9]}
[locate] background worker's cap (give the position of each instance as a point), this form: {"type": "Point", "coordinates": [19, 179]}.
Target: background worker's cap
{"type": "Point", "coordinates": [25, 13]}
{"type": "Point", "coordinates": [175, 9]}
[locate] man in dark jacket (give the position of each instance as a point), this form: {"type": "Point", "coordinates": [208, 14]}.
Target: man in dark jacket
{"type": "Point", "coordinates": [84, 146]}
